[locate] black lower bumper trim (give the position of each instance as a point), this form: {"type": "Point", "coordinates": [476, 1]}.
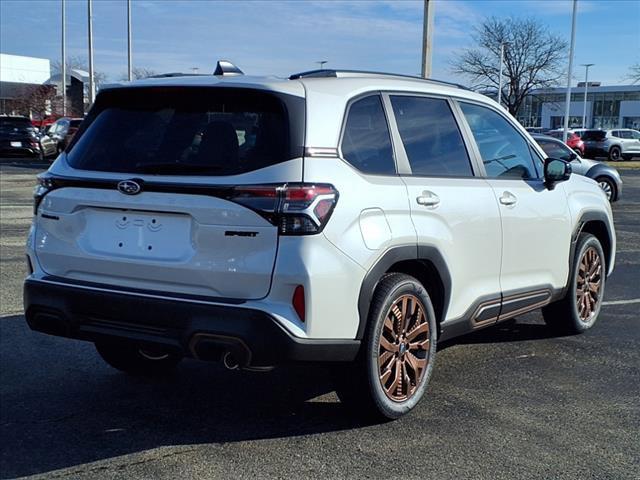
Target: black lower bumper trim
{"type": "Point", "coordinates": [198, 330]}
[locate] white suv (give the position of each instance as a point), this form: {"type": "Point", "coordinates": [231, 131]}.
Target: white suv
{"type": "Point", "coordinates": [335, 216]}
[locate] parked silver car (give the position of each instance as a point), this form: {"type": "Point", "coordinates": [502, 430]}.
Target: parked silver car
{"type": "Point", "coordinates": [617, 144]}
{"type": "Point", "coordinates": [607, 177]}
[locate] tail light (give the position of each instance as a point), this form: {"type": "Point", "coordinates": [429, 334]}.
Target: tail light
{"type": "Point", "coordinates": [296, 208]}
{"type": "Point", "coordinates": [44, 186]}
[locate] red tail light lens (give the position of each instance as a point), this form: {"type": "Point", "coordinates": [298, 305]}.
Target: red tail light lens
{"type": "Point", "coordinates": [296, 208]}
{"type": "Point", "coordinates": [298, 302]}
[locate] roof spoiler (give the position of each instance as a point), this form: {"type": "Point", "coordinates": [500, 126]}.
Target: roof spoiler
{"type": "Point", "coordinates": [226, 68]}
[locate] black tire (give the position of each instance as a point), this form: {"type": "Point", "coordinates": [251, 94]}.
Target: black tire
{"type": "Point", "coordinates": [569, 314]}
{"type": "Point", "coordinates": [608, 186]}
{"type": "Point", "coordinates": [360, 385]}
{"type": "Point", "coordinates": [615, 154]}
{"type": "Point", "coordinates": [137, 359]}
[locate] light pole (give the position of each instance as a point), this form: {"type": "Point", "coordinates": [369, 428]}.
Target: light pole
{"type": "Point", "coordinates": [129, 60]}
{"type": "Point", "coordinates": [502, 44]}
{"type": "Point", "coordinates": [321, 63]}
{"type": "Point", "coordinates": [92, 85]}
{"type": "Point", "coordinates": [586, 87]}
{"type": "Point", "coordinates": [427, 37]}
{"type": "Point", "coordinates": [64, 64]}
{"type": "Point", "coordinates": [565, 133]}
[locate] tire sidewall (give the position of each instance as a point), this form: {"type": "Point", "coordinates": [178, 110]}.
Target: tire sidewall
{"type": "Point", "coordinates": [585, 241]}
{"type": "Point", "coordinates": [385, 405]}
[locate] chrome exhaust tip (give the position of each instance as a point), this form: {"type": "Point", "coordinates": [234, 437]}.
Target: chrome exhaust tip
{"type": "Point", "coordinates": [230, 361]}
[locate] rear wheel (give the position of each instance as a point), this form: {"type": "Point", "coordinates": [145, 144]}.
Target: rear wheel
{"type": "Point", "coordinates": [608, 187]}
{"type": "Point", "coordinates": [578, 311]}
{"type": "Point", "coordinates": [137, 359]}
{"type": "Point", "coordinates": [615, 154]}
{"type": "Point", "coordinates": [394, 366]}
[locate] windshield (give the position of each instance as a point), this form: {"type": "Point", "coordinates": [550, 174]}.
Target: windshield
{"type": "Point", "coordinates": [185, 131]}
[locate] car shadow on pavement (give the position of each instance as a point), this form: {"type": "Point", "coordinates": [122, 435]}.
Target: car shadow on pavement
{"type": "Point", "coordinates": [61, 406]}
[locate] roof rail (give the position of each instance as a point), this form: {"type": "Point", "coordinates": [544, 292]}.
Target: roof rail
{"type": "Point", "coordinates": [175, 74]}
{"type": "Point", "coordinates": [328, 73]}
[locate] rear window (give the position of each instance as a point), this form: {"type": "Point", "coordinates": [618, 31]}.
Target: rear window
{"type": "Point", "coordinates": [15, 124]}
{"type": "Point", "coordinates": [186, 131]}
{"type": "Point", "coordinates": [596, 135]}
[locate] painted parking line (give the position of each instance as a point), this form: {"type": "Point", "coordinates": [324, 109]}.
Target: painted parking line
{"type": "Point", "coordinates": [622, 302]}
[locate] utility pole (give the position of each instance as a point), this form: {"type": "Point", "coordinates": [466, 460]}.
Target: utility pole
{"type": "Point", "coordinates": [586, 87]}
{"type": "Point", "coordinates": [427, 37]}
{"type": "Point", "coordinates": [502, 44]}
{"type": "Point", "coordinates": [130, 61]}
{"type": "Point", "coordinates": [92, 86]}
{"type": "Point", "coordinates": [565, 133]}
{"type": "Point", "coordinates": [321, 63]}
{"type": "Point", "coordinates": [64, 64]}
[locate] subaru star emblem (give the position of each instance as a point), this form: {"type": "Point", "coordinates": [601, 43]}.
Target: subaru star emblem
{"type": "Point", "coordinates": [129, 187]}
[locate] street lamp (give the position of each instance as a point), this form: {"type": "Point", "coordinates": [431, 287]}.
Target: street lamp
{"type": "Point", "coordinates": [586, 86]}
{"type": "Point", "coordinates": [321, 63]}
{"type": "Point", "coordinates": [502, 45]}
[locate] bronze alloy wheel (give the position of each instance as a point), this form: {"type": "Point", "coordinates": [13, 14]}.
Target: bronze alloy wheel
{"type": "Point", "coordinates": [403, 350]}
{"type": "Point", "coordinates": [589, 284]}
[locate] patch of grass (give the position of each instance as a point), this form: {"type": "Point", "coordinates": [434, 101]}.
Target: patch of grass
{"type": "Point", "coordinates": [624, 165]}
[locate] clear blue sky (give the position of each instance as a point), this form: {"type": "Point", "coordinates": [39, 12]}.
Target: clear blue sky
{"type": "Point", "coordinates": [281, 37]}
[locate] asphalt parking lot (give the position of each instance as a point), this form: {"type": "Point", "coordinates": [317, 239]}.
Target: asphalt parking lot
{"type": "Point", "coordinates": [508, 402]}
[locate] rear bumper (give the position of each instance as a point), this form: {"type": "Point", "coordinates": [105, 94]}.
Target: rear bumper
{"type": "Point", "coordinates": [193, 328]}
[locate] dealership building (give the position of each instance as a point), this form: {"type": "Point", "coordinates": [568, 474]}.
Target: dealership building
{"type": "Point", "coordinates": [16, 74]}
{"type": "Point", "coordinates": [607, 107]}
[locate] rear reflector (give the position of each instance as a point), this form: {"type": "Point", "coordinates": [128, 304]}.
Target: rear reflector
{"type": "Point", "coordinates": [298, 301]}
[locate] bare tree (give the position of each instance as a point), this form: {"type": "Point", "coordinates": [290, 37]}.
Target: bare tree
{"type": "Point", "coordinates": [139, 73]}
{"type": "Point", "coordinates": [34, 100]}
{"type": "Point", "coordinates": [533, 58]}
{"type": "Point", "coordinates": [634, 74]}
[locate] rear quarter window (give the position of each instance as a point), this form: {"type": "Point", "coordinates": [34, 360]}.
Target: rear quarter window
{"type": "Point", "coordinates": [366, 142]}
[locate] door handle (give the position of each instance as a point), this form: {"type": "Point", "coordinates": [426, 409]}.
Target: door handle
{"type": "Point", "coordinates": [508, 199]}
{"type": "Point", "coordinates": [428, 199]}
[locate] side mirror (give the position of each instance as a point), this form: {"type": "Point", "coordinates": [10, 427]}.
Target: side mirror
{"type": "Point", "coordinates": [573, 156]}
{"type": "Point", "coordinates": [555, 170]}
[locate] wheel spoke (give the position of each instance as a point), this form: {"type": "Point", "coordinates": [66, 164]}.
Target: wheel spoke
{"type": "Point", "coordinates": [387, 345]}
{"type": "Point", "coordinates": [418, 330]}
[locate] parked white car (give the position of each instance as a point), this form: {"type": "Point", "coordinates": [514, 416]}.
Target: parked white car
{"type": "Point", "coordinates": [617, 144]}
{"type": "Point", "coordinates": [347, 217]}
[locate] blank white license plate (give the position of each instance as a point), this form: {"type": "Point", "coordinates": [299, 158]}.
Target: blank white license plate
{"type": "Point", "coordinates": [16, 144]}
{"type": "Point", "coordinates": [139, 234]}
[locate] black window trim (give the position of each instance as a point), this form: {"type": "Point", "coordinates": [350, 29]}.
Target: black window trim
{"type": "Point", "coordinates": [533, 147]}
{"type": "Point", "coordinates": [404, 166]}
{"type": "Point", "coordinates": [343, 128]}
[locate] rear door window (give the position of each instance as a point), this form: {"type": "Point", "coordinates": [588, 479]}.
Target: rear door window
{"type": "Point", "coordinates": [185, 131]}
{"type": "Point", "coordinates": [366, 143]}
{"type": "Point", "coordinates": [431, 137]}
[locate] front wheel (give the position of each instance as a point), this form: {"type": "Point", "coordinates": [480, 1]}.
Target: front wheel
{"type": "Point", "coordinates": [578, 311]}
{"type": "Point", "coordinates": [608, 187]}
{"type": "Point", "coordinates": [137, 359]}
{"type": "Point", "coordinates": [394, 366]}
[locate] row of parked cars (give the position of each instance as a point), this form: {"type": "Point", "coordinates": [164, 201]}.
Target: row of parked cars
{"type": "Point", "coordinates": [615, 144]}
{"type": "Point", "coordinates": [19, 137]}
